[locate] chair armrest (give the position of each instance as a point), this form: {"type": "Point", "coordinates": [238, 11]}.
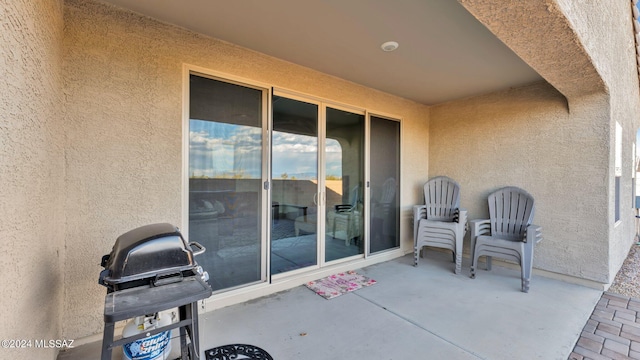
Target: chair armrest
{"type": "Point", "coordinates": [460, 215]}
{"type": "Point", "coordinates": [419, 212]}
{"type": "Point", "coordinates": [534, 233]}
{"type": "Point", "coordinates": [480, 227]}
{"type": "Point", "coordinates": [462, 218]}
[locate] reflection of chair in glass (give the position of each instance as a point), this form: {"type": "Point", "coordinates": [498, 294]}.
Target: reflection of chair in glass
{"type": "Point", "coordinates": [508, 234]}
{"type": "Point", "coordinates": [345, 222]}
{"type": "Point", "coordinates": [440, 222]}
{"type": "Point", "coordinates": [382, 209]}
{"type": "Point", "coordinates": [203, 209]}
{"type": "Point", "coordinates": [305, 223]}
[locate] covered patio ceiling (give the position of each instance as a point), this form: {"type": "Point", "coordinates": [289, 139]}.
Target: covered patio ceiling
{"type": "Point", "coordinates": [444, 53]}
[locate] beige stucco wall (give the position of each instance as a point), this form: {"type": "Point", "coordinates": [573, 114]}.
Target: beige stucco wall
{"type": "Point", "coordinates": [527, 137]}
{"type": "Point", "coordinates": [123, 84]}
{"type": "Point", "coordinates": [565, 141]}
{"type": "Point", "coordinates": [608, 38]}
{"type": "Point", "coordinates": [31, 175]}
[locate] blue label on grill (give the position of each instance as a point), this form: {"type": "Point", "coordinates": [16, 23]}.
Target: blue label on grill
{"type": "Point", "coordinates": [150, 348]}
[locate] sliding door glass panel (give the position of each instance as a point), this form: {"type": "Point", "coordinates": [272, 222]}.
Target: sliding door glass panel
{"type": "Point", "coordinates": [294, 189]}
{"type": "Point", "coordinates": [384, 177]}
{"type": "Point", "coordinates": [344, 177]}
{"type": "Point", "coordinates": [225, 180]}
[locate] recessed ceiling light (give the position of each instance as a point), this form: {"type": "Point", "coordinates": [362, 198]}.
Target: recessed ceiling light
{"type": "Point", "coordinates": [389, 46]}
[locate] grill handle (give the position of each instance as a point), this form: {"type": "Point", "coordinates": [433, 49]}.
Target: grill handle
{"type": "Point", "coordinates": [201, 249]}
{"type": "Point", "coordinates": [167, 278]}
{"type": "Point", "coordinates": [105, 260]}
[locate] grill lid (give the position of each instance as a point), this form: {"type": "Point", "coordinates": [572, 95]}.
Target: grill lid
{"type": "Point", "coordinates": [147, 251]}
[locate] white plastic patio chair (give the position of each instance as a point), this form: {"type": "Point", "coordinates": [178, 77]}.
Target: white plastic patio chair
{"type": "Point", "coordinates": [440, 222]}
{"type": "Point", "coordinates": [382, 208]}
{"type": "Point", "coordinates": [508, 234]}
{"type": "Point", "coordinates": [344, 221]}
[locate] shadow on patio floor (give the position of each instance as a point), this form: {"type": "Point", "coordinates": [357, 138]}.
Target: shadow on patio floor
{"type": "Point", "coordinates": [426, 312]}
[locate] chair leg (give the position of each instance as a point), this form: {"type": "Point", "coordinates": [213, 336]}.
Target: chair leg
{"type": "Point", "coordinates": [334, 229]}
{"type": "Point", "coordinates": [458, 261]}
{"type": "Point", "coordinates": [527, 265]}
{"type": "Point", "coordinates": [526, 277]}
{"type": "Point", "coordinates": [416, 250]}
{"type": "Point", "coordinates": [458, 253]}
{"type": "Point", "coordinates": [488, 263]}
{"type": "Point", "coordinates": [474, 263]}
{"type": "Point", "coordinates": [473, 254]}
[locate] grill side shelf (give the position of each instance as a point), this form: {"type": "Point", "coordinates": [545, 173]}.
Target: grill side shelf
{"type": "Point", "coordinates": [129, 303]}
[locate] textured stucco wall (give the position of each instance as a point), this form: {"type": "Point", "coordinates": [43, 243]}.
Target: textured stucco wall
{"type": "Point", "coordinates": [606, 31]}
{"type": "Point", "coordinates": [585, 50]}
{"type": "Point", "coordinates": [31, 174]}
{"type": "Point", "coordinates": [123, 84]}
{"type": "Point", "coordinates": [542, 35]}
{"type": "Point", "coordinates": [526, 137]}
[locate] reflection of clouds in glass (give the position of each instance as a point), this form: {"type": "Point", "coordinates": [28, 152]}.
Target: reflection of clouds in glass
{"type": "Point", "coordinates": [285, 142]}
{"type": "Point", "coordinates": [248, 145]}
{"type": "Point", "coordinates": [297, 148]}
{"type": "Point", "coordinates": [227, 150]}
{"type": "Point", "coordinates": [295, 155]}
{"type": "Point", "coordinates": [333, 146]}
{"type": "Point", "coordinates": [333, 163]}
{"type": "Point", "coordinates": [197, 138]}
{"type": "Point", "coordinates": [333, 158]}
{"type": "Point", "coordinates": [224, 150]}
{"type": "Point", "coordinates": [282, 137]}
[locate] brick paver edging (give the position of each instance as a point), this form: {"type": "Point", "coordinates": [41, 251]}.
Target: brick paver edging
{"type": "Point", "coordinates": [612, 331]}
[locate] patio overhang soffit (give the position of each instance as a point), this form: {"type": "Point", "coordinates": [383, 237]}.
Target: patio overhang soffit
{"type": "Point", "coordinates": [540, 34]}
{"type": "Point", "coordinates": [448, 50]}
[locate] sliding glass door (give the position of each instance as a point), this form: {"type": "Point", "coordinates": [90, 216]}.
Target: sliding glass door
{"type": "Point", "coordinates": [294, 185]}
{"type": "Point", "coordinates": [289, 195]}
{"type": "Point", "coordinates": [317, 193]}
{"type": "Point", "coordinates": [225, 179]}
{"type": "Point", "coordinates": [384, 174]}
{"type": "Point", "coordinates": [344, 174]}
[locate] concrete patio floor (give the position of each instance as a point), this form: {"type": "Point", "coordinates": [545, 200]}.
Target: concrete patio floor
{"type": "Point", "coordinates": [411, 313]}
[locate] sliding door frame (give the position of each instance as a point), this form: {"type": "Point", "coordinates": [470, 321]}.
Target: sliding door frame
{"type": "Point", "coordinates": [319, 193]}
{"type": "Point", "coordinates": [268, 284]}
{"type": "Point", "coordinates": [400, 122]}
{"type": "Point", "coordinates": [323, 104]}
{"type": "Point", "coordinates": [187, 71]}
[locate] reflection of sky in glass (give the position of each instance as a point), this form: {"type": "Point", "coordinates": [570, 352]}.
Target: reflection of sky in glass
{"type": "Point", "coordinates": [224, 150]}
{"type": "Point", "coordinates": [333, 161]}
{"type": "Point", "coordinates": [220, 150]}
{"type": "Point", "coordinates": [294, 155]}
{"type": "Point", "coordinates": [297, 156]}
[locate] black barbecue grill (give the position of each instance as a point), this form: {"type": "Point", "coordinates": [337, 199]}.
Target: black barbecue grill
{"type": "Point", "coordinates": [151, 269]}
{"type": "Point", "coordinates": [149, 255]}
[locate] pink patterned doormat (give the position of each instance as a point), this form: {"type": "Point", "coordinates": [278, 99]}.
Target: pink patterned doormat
{"type": "Point", "coordinates": [338, 284]}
